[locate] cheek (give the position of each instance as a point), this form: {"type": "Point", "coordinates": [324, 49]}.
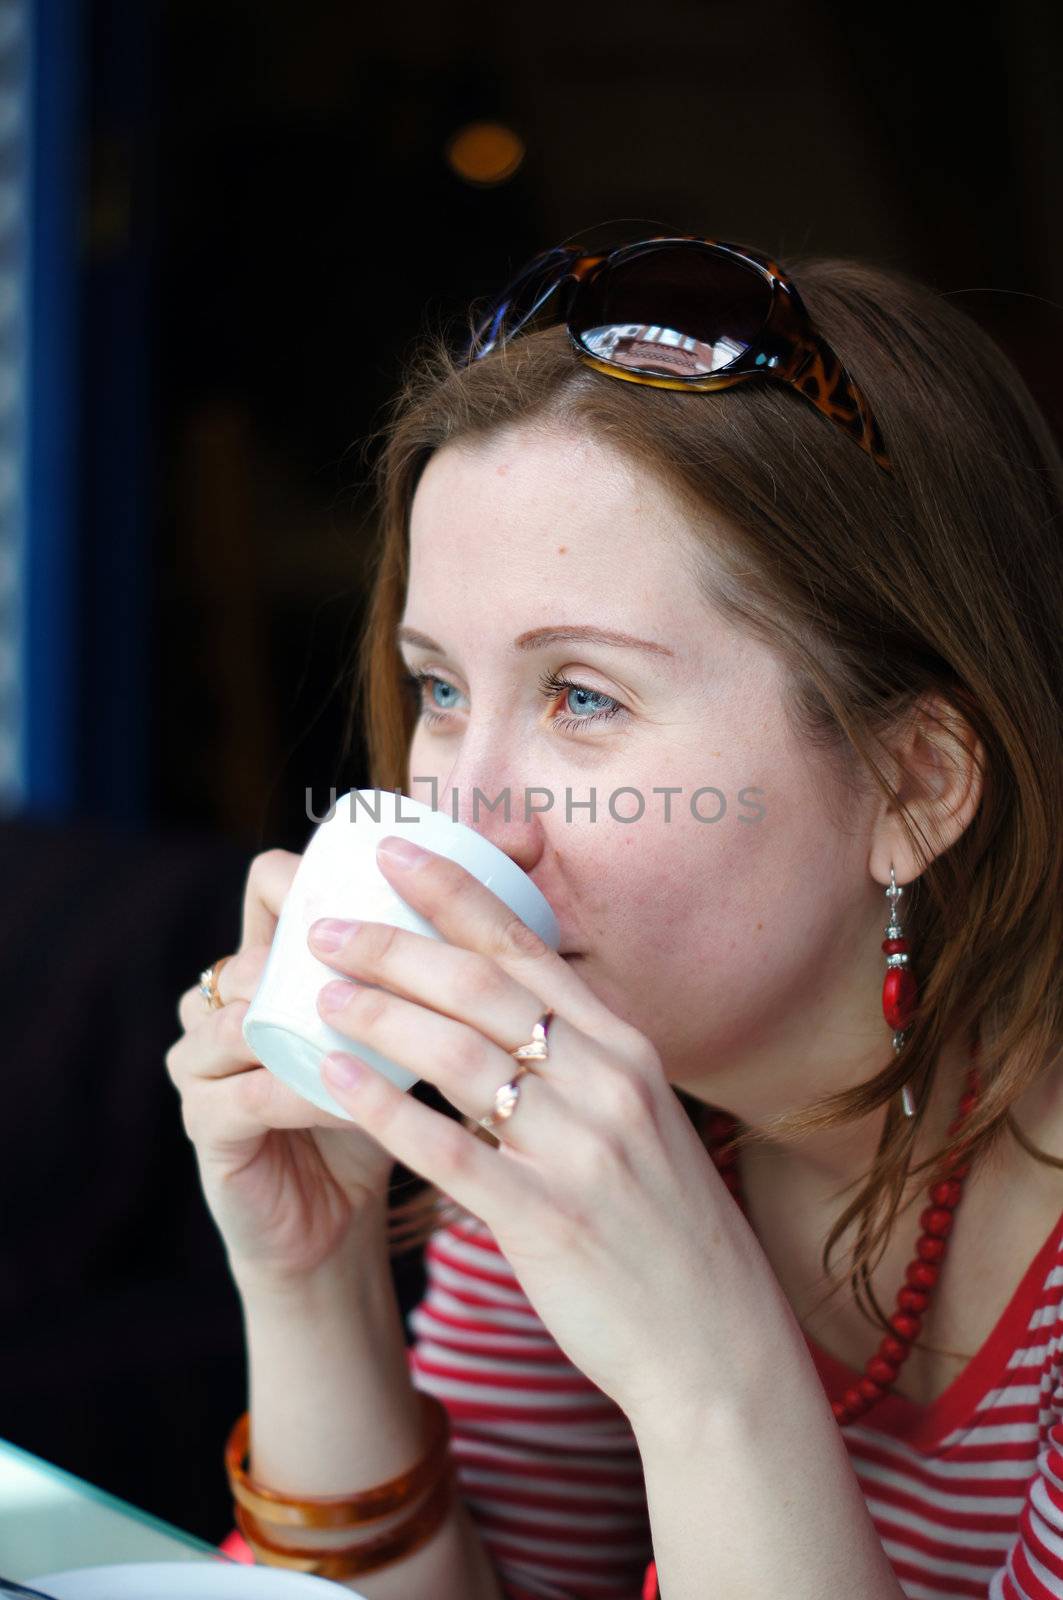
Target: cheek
{"type": "Point", "coordinates": [712, 856]}
{"type": "Point", "coordinates": [422, 766]}
{"type": "Point", "coordinates": [650, 889]}
{"type": "Point", "coordinates": [696, 926]}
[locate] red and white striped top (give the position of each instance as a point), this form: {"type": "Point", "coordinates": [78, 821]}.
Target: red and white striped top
{"type": "Point", "coordinates": [966, 1493]}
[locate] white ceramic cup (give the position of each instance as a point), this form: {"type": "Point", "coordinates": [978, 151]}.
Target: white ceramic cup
{"type": "Point", "coordinates": [338, 876]}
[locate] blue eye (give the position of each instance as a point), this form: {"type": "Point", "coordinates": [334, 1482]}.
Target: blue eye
{"type": "Point", "coordinates": [417, 685]}
{"type": "Point", "coordinates": [551, 684]}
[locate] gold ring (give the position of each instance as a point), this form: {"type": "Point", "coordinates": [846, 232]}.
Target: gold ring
{"type": "Point", "coordinates": [208, 985]}
{"type": "Point", "coordinates": [507, 1097]}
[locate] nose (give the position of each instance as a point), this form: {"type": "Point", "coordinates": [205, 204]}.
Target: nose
{"type": "Point", "coordinates": [496, 810]}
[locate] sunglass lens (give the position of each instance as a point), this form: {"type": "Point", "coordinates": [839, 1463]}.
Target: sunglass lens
{"type": "Point", "coordinates": [520, 300]}
{"type": "Point", "coordinates": [679, 310]}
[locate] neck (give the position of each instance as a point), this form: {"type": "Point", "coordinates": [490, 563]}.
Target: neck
{"type": "Point", "coordinates": [816, 1170]}
{"type": "Point", "coordinates": [794, 1192]}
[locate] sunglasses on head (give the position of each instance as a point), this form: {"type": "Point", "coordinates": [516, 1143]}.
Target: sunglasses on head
{"type": "Point", "coordinates": [681, 312]}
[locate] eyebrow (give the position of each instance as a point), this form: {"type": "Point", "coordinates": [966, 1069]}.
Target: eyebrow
{"type": "Point", "coordinates": [536, 638]}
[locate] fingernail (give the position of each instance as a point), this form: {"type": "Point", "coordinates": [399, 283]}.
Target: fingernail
{"type": "Point", "coordinates": [334, 996]}
{"type": "Point", "coordinates": [342, 1071]}
{"type": "Point", "coordinates": [328, 933]}
{"type": "Point", "coordinates": [402, 852]}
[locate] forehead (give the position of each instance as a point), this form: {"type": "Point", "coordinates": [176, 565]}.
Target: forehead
{"type": "Point", "coordinates": [537, 528]}
{"type": "Point", "coordinates": [550, 506]}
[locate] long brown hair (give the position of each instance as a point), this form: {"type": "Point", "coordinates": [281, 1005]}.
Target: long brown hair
{"type": "Point", "coordinates": [939, 585]}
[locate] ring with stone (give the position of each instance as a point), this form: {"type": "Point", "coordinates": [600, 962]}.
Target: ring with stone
{"type": "Point", "coordinates": [507, 1096]}
{"type": "Point", "coordinates": [208, 984]}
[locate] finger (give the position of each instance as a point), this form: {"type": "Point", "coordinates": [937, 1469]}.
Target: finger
{"type": "Point", "coordinates": [238, 980]}
{"type": "Point", "coordinates": [488, 1181]}
{"type": "Point", "coordinates": [268, 881]}
{"type": "Point", "coordinates": [451, 981]}
{"type": "Point", "coordinates": [216, 1048]}
{"type": "Point", "coordinates": [462, 1062]}
{"type": "Point", "coordinates": [221, 1114]}
{"type": "Point", "coordinates": [469, 915]}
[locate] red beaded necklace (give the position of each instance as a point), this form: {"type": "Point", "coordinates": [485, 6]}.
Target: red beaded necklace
{"type": "Point", "coordinates": [880, 1373]}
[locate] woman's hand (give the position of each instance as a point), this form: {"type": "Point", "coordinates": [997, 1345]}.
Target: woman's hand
{"type": "Point", "coordinates": [283, 1179]}
{"type": "Point", "coordinates": [600, 1194]}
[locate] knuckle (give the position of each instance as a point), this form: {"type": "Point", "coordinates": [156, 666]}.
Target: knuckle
{"type": "Point", "coordinates": [243, 973]}
{"type": "Point", "coordinates": [450, 883]}
{"type": "Point", "coordinates": [260, 874]}
{"type": "Point", "coordinates": [249, 1094]}
{"type": "Point", "coordinates": [461, 1051]}
{"type": "Point", "coordinates": [379, 1101]}
{"type": "Point", "coordinates": [269, 877]}
{"type": "Point", "coordinates": [454, 1148]}
{"type": "Point", "coordinates": [478, 979]}
{"type": "Point", "coordinates": [635, 1048]}
{"type": "Point", "coordinates": [515, 940]}
{"type": "Point", "coordinates": [367, 1004]}
{"type": "Point", "coordinates": [448, 876]}
{"type": "Point", "coordinates": [172, 1061]}
{"type": "Point", "coordinates": [627, 1097]}
{"type": "Point", "coordinates": [191, 1119]}
{"type": "Point", "coordinates": [250, 963]}
{"type": "Point", "coordinates": [185, 1012]}
{"type": "Point", "coordinates": [230, 1022]}
{"type": "Point", "coordinates": [266, 863]}
{"type": "Point", "coordinates": [373, 941]}
{"type": "Point", "coordinates": [254, 1090]}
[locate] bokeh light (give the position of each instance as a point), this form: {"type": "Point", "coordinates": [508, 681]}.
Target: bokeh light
{"type": "Point", "coordinates": [485, 153]}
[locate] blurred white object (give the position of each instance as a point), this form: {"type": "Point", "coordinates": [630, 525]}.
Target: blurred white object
{"type": "Point", "coordinates": [180, 1580]}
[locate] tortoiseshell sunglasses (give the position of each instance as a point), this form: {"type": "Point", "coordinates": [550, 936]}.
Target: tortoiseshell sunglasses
{"type": "Point", "coordinates": [682, 312]}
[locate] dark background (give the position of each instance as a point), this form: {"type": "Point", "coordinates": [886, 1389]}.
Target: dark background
{"type": "Point", "coordinates": [262, 221]}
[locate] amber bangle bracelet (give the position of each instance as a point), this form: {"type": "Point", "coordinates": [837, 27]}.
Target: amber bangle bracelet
{"type": "Point", "coordinates": [353, 1560]}
{"type": "Point", "coordinates": [338, 1511]}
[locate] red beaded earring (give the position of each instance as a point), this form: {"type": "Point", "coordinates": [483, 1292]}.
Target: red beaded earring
{"type": "Point", "coordinates": [900, 991]}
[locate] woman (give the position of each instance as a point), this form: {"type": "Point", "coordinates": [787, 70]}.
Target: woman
{"type": "Point", "coordinates": [771, 676]}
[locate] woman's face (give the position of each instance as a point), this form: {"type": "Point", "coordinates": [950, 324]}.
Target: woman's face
{"type": "Point", "coordinates": [737, 928]}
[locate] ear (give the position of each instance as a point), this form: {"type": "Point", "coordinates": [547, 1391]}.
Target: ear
{"type": "Point", "coordinates": [939, 763]}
